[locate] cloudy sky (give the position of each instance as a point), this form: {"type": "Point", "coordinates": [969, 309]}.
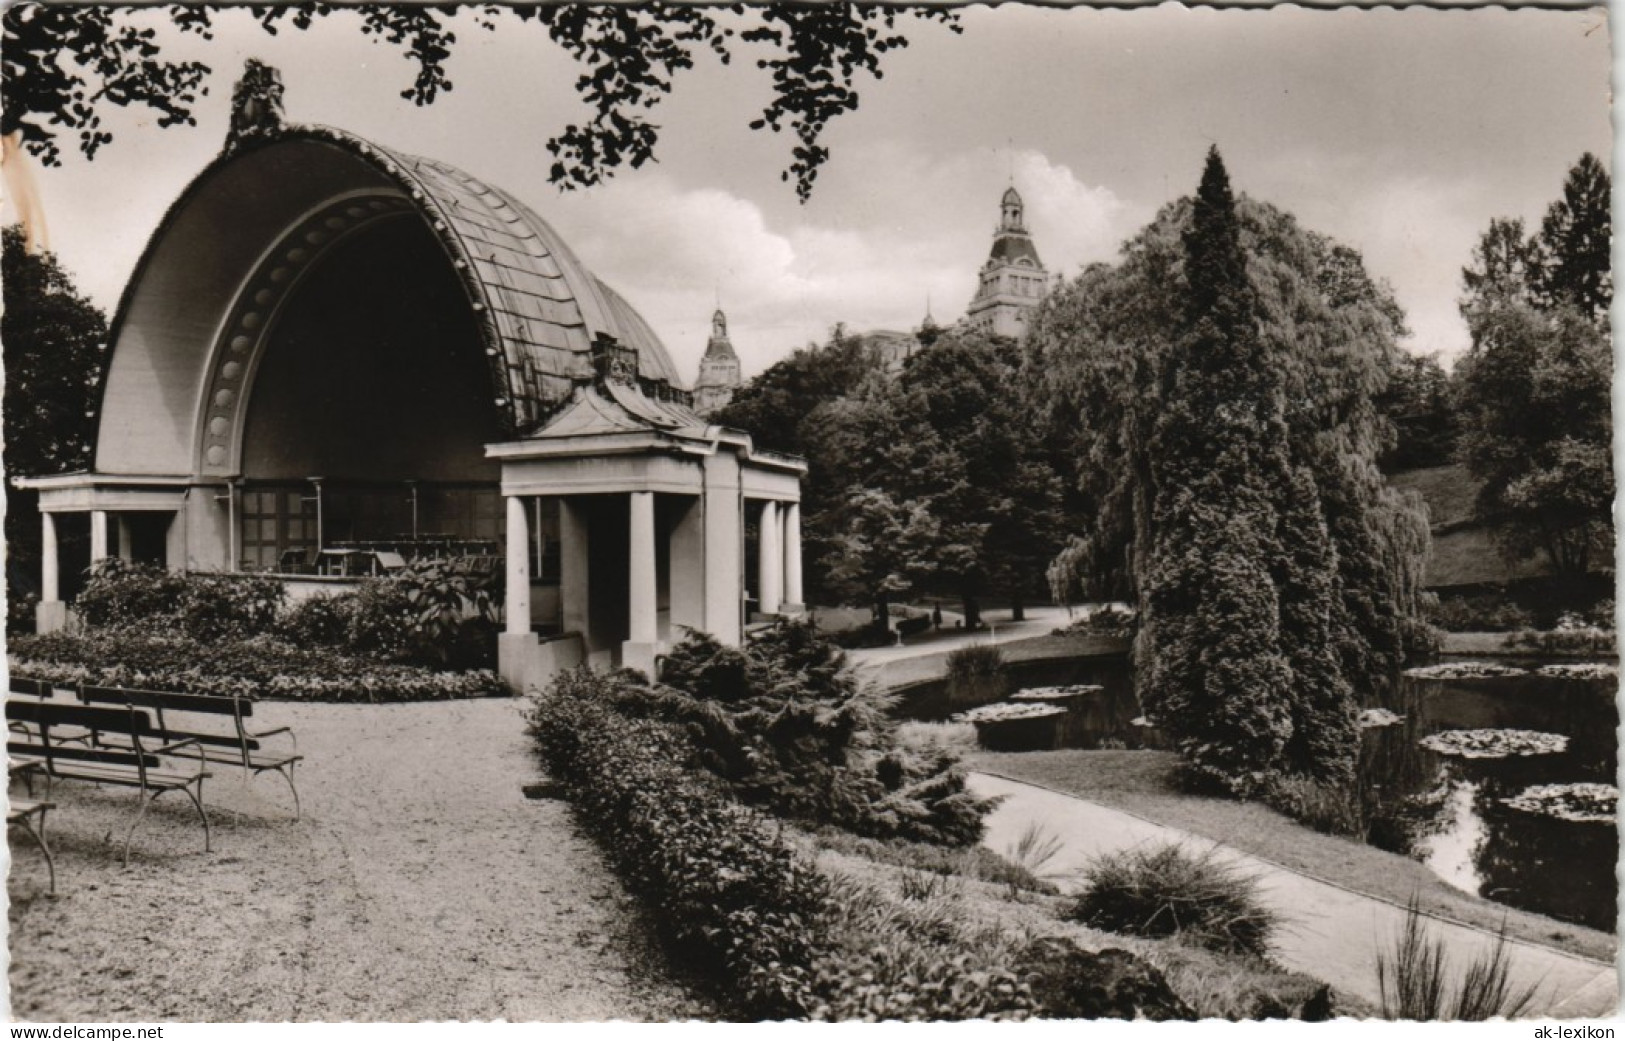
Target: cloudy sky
{"type": "Point", "coordinates": [1401, 133]}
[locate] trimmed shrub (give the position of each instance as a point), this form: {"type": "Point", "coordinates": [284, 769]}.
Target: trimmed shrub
{"type": "Point", "coordinates": [1164, 891]}
{"type": "Point", "coordinates": [321, 621]}
{"type": "Point", "coordinates": [148, 599]}
{"type": "Point", "coordinates": [119, 595]}
{"type": "Point", "coordinates": [229, 607]}
{"type": "Point", "coordinates": [733, 897]}
{"type": "Point", "coordinates": [262, 667]}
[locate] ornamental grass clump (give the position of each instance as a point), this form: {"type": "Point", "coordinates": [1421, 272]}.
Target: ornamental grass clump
{"type": "Point", "coordinates": [1413, 979]}
{"type": "Point", "coordinates": [1166, 891]}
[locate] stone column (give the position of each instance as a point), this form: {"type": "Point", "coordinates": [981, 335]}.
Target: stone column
{"type": "Point", "coordinates": [642, 590]}
{"type": "Point", "coordinates": [573, 574]}
{"type": "Point", "coordinates": [51, 613]}
{"type": "Point", "coordinates": [98, 536]}
{"type": "Point", "coordinates": [769, 560]}
{"type": "Point", "coordinates": [50, 578]}
{"type": "Point", "coordinates": [126, 545]}
{"type": "Point", "coordinates": [792, 558]}
{"type": "Point", "coordinates": [517, 606]}
{"type": "Point", "coordinates": [724, 523]}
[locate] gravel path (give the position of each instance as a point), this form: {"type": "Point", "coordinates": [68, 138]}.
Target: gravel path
{"type": "Point", "coordinates": [419, 885]}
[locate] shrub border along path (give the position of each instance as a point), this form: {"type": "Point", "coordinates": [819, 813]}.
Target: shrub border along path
{"type": "Point", "coordinates": [1330, 932]}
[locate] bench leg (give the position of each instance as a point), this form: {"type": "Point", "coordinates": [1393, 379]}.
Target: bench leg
{"type": "Point", "coordinates": [39, 840]}
{"type": "Point", "coordinates": [146, 800]}
{"type": "Point", "coordinates": [197, 800]}
{"type": "Point", "coordinates": [287, 775]}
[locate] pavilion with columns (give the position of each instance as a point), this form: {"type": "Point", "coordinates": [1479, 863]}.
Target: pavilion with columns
{"type": "Point", "coordinates": [333, 357]}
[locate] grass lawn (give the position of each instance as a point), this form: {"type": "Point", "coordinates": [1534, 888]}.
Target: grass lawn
{"type": "Point", "coordinates": [1141, 782]}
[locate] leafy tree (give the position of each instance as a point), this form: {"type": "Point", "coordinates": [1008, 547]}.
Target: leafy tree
{"type": "Point", "coordinates": [64, 64]}
{"type": "Point", "coordinates": [1533, 390]}
{"type": "Point", "coordinates": [1536, 429]}
{"type": "Point", "coordinates": [991, 482]}
{"type": "Point", "coordinates": [1419, 404]}
{"type": "Point", "coordinates": [53, 340]}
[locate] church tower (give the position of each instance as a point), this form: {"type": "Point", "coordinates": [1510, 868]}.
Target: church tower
{"type": "Point", "coordinates": [1013, 280]}
{"type": "Point", "coordinates": [719, 369]}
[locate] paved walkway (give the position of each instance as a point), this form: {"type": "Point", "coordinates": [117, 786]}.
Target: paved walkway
{"type": "Point", "coordinates": [1040, 621]}
{"type": "Point", "coordinates": [1332, 934]}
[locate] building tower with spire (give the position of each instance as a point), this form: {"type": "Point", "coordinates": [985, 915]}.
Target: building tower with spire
{"type": "Point", "coordinates": [719, 369]}
{"type": "Point", "coordinates": [1013, 280]}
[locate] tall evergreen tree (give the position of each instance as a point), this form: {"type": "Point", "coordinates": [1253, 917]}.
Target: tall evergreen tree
{"type": "Point", "coordinates": [1219, 678]}
{"type": "Point", "coordinates": [1097, 353]}
{"type": "Point", "coordinates": [1219, 383]}
{"type": "Point", "coordinates": [1575, 238]}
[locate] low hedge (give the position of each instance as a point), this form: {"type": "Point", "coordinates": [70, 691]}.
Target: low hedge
{"type": "Point", "coordinates": [738, 903]}
{"type": "Point", "coordinates": [261, 667]}
{"type": "Point", "coordinates": [735, 899]}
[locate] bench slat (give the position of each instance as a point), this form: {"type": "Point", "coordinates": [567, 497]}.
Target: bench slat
{"type": "Point", "coordinates": [82, 753]}
{"type": "Point", "coordinates": [171, 701]}
{"type": "Point", "coordinates": [48, 713]}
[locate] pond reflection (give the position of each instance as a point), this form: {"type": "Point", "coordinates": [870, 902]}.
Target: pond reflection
{"type": "Point", "coordinates": [1450, 812]}
{"type": "Point", "coordinates": [1446, 811]}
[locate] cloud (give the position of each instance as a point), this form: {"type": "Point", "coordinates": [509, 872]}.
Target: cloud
{"type": "Point", "coordinates": [918, 231]}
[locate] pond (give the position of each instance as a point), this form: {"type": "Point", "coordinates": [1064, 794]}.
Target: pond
{"type": "Point", "coordinates": [1451, 811]}
{"type": "Point", "coordinates": [1448, 811]}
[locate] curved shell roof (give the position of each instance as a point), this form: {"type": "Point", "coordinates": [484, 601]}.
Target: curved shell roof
{"type": "Point", "coordinates": [538, 307]}
{"type": "Point", "coordinates": [544, 306]}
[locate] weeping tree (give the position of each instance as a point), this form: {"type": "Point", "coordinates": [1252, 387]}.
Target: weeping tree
{"type": "Point", "coordinates": [1218, 386]}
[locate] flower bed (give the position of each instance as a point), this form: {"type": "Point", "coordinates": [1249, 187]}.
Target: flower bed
{"type": "Point", "coordinates": [261, 667]}
{"type": "Point", "coordinates": [1464, 670]}
{"type": "Point", "coordinates": [1582, 802]}
{"type": "Point", "coordinates": [1494, 744]}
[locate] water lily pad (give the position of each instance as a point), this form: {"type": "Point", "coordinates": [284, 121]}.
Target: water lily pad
{"type": "Point", "coordinates": [1464, 670]}
{"type": "Point", "coordinates": [1008, 710]}
{"type": "Point", "coordinates": [1051, 693]}
{"type": "Point", "coordinates": [1585, 670]}
{"type": "Point", "coordinates": [1582, 801]}
{"type": "Point", "coordinates": [1494, 744]}
{"type": "Point", "coordinates": [1379, 717]}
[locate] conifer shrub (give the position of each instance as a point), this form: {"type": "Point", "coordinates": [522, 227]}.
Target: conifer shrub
{"type": "Point", "coordinates": [785, 722]}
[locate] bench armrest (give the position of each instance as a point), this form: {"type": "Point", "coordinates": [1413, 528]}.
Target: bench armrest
{"type": "Point", "coordinates": [274, 731]}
